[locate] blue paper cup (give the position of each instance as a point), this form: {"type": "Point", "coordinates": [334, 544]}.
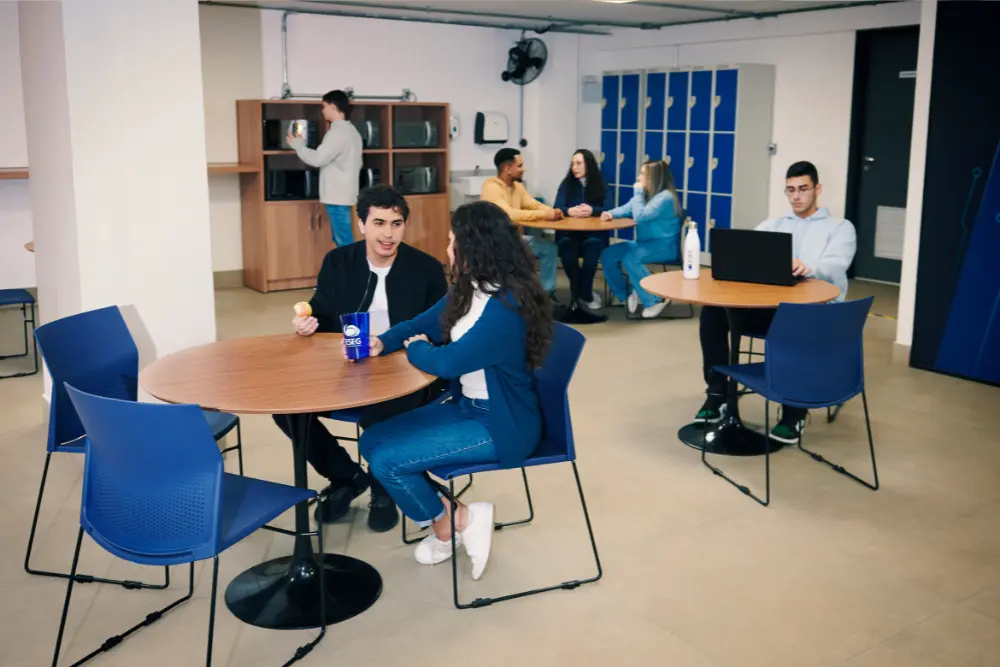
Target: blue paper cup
{"type": "Point", "coordinates": [356, 340]}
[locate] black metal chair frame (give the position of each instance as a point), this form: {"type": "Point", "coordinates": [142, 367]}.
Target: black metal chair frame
{"type": "Point", "coordinates": [28, 325]}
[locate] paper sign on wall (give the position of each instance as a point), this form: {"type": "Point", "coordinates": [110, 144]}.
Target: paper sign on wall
{"type": "Point", "coordinates": [890, 223]}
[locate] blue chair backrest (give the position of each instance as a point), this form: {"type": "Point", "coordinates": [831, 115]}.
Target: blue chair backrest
{"type": "Point", "coordinates": [552, 383]}
{"type": "Point", "coordinates": [815, 353]}
{"type": "Point", "coordinates": [92, 351]}
{"type": "Point", "coordinates": [152, 477]}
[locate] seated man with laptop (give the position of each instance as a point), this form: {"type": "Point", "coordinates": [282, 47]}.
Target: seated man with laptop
{"type": "Point", "coordinates": [822, 247]}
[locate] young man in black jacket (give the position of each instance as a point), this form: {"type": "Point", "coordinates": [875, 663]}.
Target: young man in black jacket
{"type": "Point", "coordinates": [393, 282]}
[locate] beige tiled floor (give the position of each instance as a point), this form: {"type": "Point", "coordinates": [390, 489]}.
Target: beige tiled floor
{"type": "Point", "coordinates": [695, 574]}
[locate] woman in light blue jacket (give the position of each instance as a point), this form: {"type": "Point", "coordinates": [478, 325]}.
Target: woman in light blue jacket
{"type": "Point", "coordinates": [657, 214]}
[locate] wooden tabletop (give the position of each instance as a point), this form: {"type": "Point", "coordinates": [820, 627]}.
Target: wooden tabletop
{"type": "Point", "coordinates": [285, 374]}
{"type": "Point", "coordinates": [569, 224]}
{"type": "Point", "coordinates": [707, 291]}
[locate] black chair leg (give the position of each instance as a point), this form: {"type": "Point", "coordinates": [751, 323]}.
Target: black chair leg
{"type": "Point", "coordinates": [407, 539]}
{"type": "Point", "coordinates": [766, 500]}
{"type": "Point", "coordinates": [531, 507]}
{"type": "Point", "coordinates": [566, 585]}
{"type": "Point", "coordinates": [831, 413]}
{"type": "Point", "coordinates": [841, 469]}
{"type": "Point", "coordinates": [238, 447]}
{"type": "Point", "coordinates": [28, 325]}
{"type": "Point", "coordinates": [114, 641]}
{"type": "Point", "coordinates": [80, 578]}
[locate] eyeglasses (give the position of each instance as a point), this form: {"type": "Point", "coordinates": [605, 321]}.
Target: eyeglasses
{"type": "Point", "coordinates": [802, 189]}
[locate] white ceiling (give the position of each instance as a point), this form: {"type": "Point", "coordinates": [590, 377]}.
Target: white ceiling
{"type": "Point", "coordinates": [558, 15]}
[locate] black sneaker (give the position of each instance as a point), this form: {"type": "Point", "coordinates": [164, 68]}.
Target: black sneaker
{"type": "Point", "coordinates": [788, 430]}
{"type": "Point", "coordinates": [712, 411]}
{"type": "Point", "coordinates": [335, 501]}
{"type": "Point", "coordinates": [382, 514]}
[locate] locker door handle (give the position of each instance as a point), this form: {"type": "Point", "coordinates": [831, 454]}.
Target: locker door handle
{"type": "Point", "coordinates": [670, 101]}
{"type": "Point", "coordinates": [690, 161]}
{"type": "Point", "coordinates": [692, 101]}
{"type": "Point", "coordinates": [649, 102]}
{"type": "Point", "coordinates": [645, 157]}
{"type": "Point", "coordinates": [667, 160]}
{"type": "Point", "coordinates": [717, 101]}
{"type": "Point", "coordinates": [623, 102]}
{"type": "Point", "coordinates": [621, 158]}
{"type": "Point", "coordinates": [715, 163]}
{"type": "Point", "coordinates": [711, 224]}
{"type": "Point", "coordinates": [604, 102]}
{"type": "Point", "coordinates": [602, 157]}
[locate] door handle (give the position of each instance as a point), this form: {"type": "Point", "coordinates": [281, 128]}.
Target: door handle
{"type": "Point", "coordinates": [868, 159]}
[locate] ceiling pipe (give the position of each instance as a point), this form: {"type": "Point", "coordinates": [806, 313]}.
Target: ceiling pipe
{"type": "Point", "coordinates": [776, 13]}
{"type": "Point", "coordinates": [411, 19]}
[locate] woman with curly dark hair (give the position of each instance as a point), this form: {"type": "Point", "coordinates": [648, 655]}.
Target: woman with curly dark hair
{"type": "Point", "coordinates": [486, 335]}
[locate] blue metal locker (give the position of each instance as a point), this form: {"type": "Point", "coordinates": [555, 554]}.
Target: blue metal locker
{"type": "Point", "coordinates": [652, 147]}
{"type": "Point", "coordinates": [609, 156]}
{"type": "Point", "coordinates": [701, 101]}
{"type": "Point", "coordinates": [697, 210]}
{"type": "Point", "coordinates": [630, 102]}
{"type": "Point", "coordinates": [656, 100]}
{"type": "Point", "coordinates": [720, 211]}
{"type": "Point", "coordinates": [677, 102]}
{"type": "Point", "coordinates": [723, 147]}
{"type": "Point", "coordinates": [698, 163]}
{"type": "Point", "coordinates": [726, 86]}
{"type": "Point", "coordinates": [609, 103]}
{"type": "Point", "coordinates": [628, 150]}
{"type": "Point", "coordinates": [677, 153]}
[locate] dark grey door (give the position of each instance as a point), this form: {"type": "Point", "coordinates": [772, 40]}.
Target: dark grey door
{"type": "Point", "coordinates": [885, 77]}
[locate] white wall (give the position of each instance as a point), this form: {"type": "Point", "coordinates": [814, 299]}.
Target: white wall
{"type": "Point", "coordinates": [814, 59]}
{"type": "Point", "coordinates": [232, 69]}
{"type": "Point", "coordinates": [439, 63]}
{"type": "Point", "coordinates": [17, 265]}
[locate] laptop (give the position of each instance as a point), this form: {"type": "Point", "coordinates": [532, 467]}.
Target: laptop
{"type": "Point", "coordinates": [749, 256]}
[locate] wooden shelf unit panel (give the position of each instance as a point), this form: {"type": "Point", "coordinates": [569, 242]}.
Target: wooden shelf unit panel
{"type": "Point", "coordinates": [13, 173]}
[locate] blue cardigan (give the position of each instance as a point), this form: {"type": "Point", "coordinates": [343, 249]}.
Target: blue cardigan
{"type": "Point", "coordinates": [655, 219]}
{"type": "Point", "coordinates": [572, 193]}
{"type": "Point", "coordinates": [497, 344]}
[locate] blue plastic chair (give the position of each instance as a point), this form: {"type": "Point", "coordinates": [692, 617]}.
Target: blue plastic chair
{"type": "Point", "coordinates": [815, 359]}
{"type": "Point", "coordinates": [155, 493]}
{"type": "Point", "coordinates": [95, 352]}
{"type": "Point", "coordinates": [557, 446]}
{"type": "Point", "coordinates": [24, 299]}
{"type": "Point", "coordinates": [831, 412]}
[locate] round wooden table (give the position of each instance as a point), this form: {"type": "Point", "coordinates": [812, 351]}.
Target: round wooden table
{"type": "Point", "coordinates": [730, 436]}
{"type": "Point", "coordinates": [294, 376]}
{"type": "Point", "coordinates": [574, 313]}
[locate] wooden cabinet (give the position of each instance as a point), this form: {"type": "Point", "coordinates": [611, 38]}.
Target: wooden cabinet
{"type": "Point", "coordinates": [284, 242]}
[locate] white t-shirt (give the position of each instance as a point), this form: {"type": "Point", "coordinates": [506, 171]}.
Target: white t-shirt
{"type": "Point", "coordinates": [474, 383]}
{"type": "Point", "coordinates": [378, 311]}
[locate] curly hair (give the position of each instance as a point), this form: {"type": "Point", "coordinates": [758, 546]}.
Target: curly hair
{"type": "Point", "coordinates": [489, 251]}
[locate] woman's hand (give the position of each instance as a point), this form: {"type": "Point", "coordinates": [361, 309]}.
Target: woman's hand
{"type": "Point", "coordinates": [586, 210]}
{"type": "Point", "coordinates": [422, 337]}
{"type": "Point", "coordinates": [606, 216]}
{"type": "Point", "coordinates": [375, 348]}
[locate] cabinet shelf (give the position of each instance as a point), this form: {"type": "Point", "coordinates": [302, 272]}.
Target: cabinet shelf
{"type": "Point", "coordinates": [419, 150]}
{"type": "Point", "coordinates": [283, 152]}
{"type": "Point", "coordinates": [219, 168]}
{"type": "Point", "coordinates": [13, 173]}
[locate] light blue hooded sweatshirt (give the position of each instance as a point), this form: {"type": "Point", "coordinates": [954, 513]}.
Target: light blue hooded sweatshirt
{"type": "Point", "coordinates": [826, 245]}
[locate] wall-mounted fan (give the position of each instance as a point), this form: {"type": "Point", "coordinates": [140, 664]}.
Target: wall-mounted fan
{"type": "Point", "coordinates": [525, 61]}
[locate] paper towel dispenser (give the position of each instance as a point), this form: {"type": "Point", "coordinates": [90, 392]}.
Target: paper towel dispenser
{"type": "Point", "coordinates": [491, 127]}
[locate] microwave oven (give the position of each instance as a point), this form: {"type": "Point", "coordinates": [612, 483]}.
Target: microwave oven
{"type": "Point", "coordinates": [416, 180]}
{"type": "Point", "coordinates": [291, 184]}
{"type": "Point", "coordinates": [415, 134]}
{"type": "Point", "coordinates": [369, 178]}
{"type": "Point", "coordinates": [370, 131]}
{"type": "Point", "coordinates": [276, 133]}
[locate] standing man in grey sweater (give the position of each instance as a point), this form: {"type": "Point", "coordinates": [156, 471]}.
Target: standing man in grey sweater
{"type": "Point", "coordinates": [339, 160]}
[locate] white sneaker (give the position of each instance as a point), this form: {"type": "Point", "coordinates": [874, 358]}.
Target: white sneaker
{"type": "Point", "coordinates": [653, 312]}
{"type": "Point", "coordinates": [432, 551]}
{"type": "Point", "coordinates": [597, 303]}
{"type": "Point", "coordinates": [633, 302]}
{"type": "Point", "coordinates": [477, 538]}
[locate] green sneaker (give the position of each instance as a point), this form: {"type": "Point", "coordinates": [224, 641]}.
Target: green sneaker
{"type": "Point", "coordinates": [712, 411]}
{"type": "Point", "coordinates": [788, 431]}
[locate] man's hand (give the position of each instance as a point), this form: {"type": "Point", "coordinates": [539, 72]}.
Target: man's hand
{"type": "Point", "coordinates": [422, 337]}
{"type": "Point", "coordinates": [799, 269]}
{"type": "Point", "coordinates": [305, 326]}
{"type": "Point", "coordinates": [375, 348]}
{"type": "Point", "coordinates": [606, 216]}
{"type": "Point", "coordinates": [554, 214]}
{"type": "Point", "coordinates": [292, 139]}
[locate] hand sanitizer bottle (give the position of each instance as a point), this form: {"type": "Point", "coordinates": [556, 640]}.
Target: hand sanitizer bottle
{"type": "Point", "coordinates": [692, 252]}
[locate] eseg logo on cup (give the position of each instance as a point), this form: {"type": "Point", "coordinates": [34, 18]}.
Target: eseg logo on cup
{"type": "Point", "coordinates": [351, 331]}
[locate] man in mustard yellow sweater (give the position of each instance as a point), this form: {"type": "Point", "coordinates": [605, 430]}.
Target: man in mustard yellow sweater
{"type": "Point", "coordinates": [507, 191]}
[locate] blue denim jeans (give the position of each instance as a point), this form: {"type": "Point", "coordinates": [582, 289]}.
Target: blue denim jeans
{"type": "Point", "coordinates": [401, 449]}
{"type": "Point", "coordinates": [340, 224]}
{"type": "Point", "coordinates": [547, 253]}
{"type": "Point", "coordinates": [632, 258]}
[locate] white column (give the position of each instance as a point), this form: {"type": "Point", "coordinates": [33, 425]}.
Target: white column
{"type": "Point", "coordinates": [116, 143]}
{"type": "Point", "coordinates": [918, 163]}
